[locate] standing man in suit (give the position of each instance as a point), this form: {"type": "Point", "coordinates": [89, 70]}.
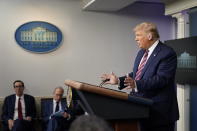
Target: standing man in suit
{"type": "Point", "coordinates": [18, 110]}
{"type": "Point", "coordinates": [60, 122]}
{"type": "Point", "coordinates": [153, 77]}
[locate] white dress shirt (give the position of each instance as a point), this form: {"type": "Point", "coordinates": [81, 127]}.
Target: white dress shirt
{"type": "Point", "coordinates": [16, 107]}
{"type": "Point", "coordinates": [54, 105]}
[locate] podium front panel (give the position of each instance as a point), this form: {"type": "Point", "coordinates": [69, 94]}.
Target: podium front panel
{"type": "Point", "coordinates": [110, 108]}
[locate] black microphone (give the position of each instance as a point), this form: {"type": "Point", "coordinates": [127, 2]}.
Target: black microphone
{"type": "Point", "coordinates": [104, 82]}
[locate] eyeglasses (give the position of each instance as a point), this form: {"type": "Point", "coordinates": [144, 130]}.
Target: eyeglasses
{"type": "Point", "coordinates": [18, 86]}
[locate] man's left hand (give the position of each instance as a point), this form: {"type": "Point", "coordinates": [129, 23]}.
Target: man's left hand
{"type": "Point", "coordinates": [129, 83]}
{"type": "Point", "coordinates": [65, 115]}
{"type": "Point", "coordinates": [28, 118]}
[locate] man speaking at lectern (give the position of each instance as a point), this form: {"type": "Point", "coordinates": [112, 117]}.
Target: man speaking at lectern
{"type": "Point", "coordinates": [153, 77]}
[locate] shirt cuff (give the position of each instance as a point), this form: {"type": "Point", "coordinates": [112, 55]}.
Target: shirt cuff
{"type": "Point", "coordinates": [136, 90]}
{"type": "Point", "coordinates": [69, 117]}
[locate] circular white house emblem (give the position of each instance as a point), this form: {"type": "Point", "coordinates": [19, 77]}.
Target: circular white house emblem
{"type": "Point", "coordinates": [38, 37]}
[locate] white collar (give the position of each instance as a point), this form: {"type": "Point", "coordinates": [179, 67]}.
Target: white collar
{"type": "Point", "coordinates": [153, 46]}
{"type": "Point", "coordinates": [22, 97]}
{"type": "Point", "coordinates": [54, 101]}
{"type": "Point", "coordinates": [151, 49]}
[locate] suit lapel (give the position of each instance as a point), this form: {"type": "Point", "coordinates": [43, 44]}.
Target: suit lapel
{"type": "Point", "coordinates": [12, 104]}
{"type": "Point", "coordinates": [14, 100]}
{"type": "Point", "coordinates": [50, 106]}
{"type": "Point", "coordinates": [26, 101]}
{"type": "Point", "coordinates": [151, 58]}
{"type": "Point", "coordinates": [64, 107]}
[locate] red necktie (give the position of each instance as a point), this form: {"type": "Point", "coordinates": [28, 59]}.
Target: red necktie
{"type": "Point", "coordinates": [20, 115]}
{"type": "Point", "coordinates": [141, 66]}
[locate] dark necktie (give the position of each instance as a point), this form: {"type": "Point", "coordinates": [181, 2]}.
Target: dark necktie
{"type": "Point", "coordinates": [57, 107]}
{"type": "Point", "coordinates": [20, 115]}
{"type": "Point", "coordinates": [141, 66]}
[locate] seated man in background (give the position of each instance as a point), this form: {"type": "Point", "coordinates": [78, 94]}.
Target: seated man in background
{"type": "Point", "coordinates": [18, 110]}
{"type": "Point", "coordinates": [55, 113]}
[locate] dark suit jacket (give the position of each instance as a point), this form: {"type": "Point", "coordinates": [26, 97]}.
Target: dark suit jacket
{"type": "Point", "coordinates": [47, 110]}
{"type": "Point", "coordinates": [9, 105]}
{"type": "Point", "coordinates": [158, 83]}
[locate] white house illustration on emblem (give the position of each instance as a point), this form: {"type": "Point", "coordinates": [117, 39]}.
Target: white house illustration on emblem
{"type": "Point", "coordinates": [186, 61]}
{"type": "Point", "coordinates": [38, 34]}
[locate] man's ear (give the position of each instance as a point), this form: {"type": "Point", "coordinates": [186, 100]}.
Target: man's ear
{"type": "Point", "coordinates": [150, 36]}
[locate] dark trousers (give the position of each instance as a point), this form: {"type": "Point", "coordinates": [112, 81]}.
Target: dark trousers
{"type": "Point", "coordinates": [19, 125]}
{"type": "Point", "coordinates": [22, 125]}
{"type": "Point", "coordinates": [169, 127]}
{"type": "Point", "coordinates": [58, 124]}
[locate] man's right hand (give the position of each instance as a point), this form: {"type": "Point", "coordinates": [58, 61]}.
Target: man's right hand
{"type": "Point", "coordinates": [113, 79]}
{"type": "Point", "coordinates": [10, 123]}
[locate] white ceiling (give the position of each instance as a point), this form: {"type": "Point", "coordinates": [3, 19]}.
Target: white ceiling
{"type": "Point", "coordinates": [113, 5]}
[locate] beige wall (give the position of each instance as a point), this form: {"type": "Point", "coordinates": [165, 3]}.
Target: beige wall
{"type": "Point", "coordinates": [93, 43]}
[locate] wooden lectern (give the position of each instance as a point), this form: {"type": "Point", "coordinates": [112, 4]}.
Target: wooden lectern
{"type": "Point", "coordinates": [121, 110]}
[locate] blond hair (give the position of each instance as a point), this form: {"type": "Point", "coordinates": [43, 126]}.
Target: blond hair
{"type": "Point", "coordinates": [148, 27]}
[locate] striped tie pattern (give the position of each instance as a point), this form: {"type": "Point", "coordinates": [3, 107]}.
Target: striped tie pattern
{"type": "Point", "coordinates": [141, 66]}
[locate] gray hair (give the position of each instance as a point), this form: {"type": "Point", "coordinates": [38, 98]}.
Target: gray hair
{"type": "Point", "coordinates": [89, 123]}
{"type": "Point", "coordinates": [59, 87]}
